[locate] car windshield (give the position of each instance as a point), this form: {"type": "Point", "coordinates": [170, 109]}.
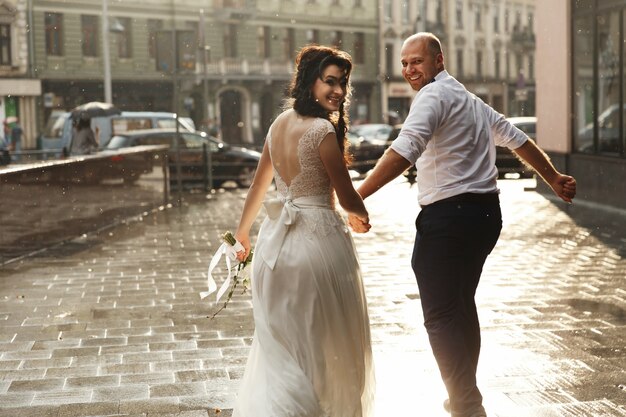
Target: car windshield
{"type": "Point", "coordinates": [54, 127]}
{"type": "Point", "coordinates": [378, 131]}
{"type": "Point", "coordinates": [117, 142]}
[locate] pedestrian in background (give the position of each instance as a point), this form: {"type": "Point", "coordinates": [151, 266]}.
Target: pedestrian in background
{"type": "Point", "coordinates": [16, 139]}
{"type": "Point", "coordinates": [6, 131]}
{"type": "Point", "coordinates": [83, 139]}
{"type": "Point", "coordinates": [450, 135]}
{"type": "Point", "coordinates": [311, 353]}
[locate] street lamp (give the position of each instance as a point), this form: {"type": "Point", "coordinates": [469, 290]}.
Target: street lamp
{"type": "Point", "coordinates": [116, 27]}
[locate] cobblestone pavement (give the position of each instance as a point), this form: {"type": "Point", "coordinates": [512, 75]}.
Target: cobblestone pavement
{"type": "Point", "coordinates": [110, 324]}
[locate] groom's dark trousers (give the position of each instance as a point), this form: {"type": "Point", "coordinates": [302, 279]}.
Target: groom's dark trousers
{"type": "Point", "coordinates": [454, 237]}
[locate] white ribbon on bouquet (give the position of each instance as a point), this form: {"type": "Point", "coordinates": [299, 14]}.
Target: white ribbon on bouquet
{"type": "Point", "coordinates": [230, 253]}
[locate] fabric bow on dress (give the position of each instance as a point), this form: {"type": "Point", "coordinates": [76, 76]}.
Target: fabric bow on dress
{"type": "Point", "coordinates": [283, 213]}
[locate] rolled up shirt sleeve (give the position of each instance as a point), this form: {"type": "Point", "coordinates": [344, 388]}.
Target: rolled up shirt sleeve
{"type": "Point", "coordinates": [504, 133]}
{"type": "Point", "coordinates": [423, 119]}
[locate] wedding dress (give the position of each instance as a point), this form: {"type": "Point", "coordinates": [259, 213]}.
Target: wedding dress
{"type": "Point", "coordinates": [311, 353]}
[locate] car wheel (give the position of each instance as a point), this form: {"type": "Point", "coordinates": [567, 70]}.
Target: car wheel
{"type": "Point", "coordinates": [245, 177]}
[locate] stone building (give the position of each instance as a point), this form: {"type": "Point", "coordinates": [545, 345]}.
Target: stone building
{"type": "Point", "coordinates": [581, 94]}
{"type": "Point", "coordinates": [489, 45]}
{"type": "Point", "coordinates": [19, 88]}
{"type": "Point", "coordinates": [234, 57]}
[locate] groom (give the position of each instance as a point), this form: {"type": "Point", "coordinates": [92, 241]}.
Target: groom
{"type": "Point", "coordinates": [450, 134]}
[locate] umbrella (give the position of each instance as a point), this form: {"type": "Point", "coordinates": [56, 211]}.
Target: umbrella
{"type": "Point", "coordinates": [94, 109]}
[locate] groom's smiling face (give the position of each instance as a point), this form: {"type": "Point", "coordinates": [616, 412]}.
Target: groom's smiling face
{"type": "Point", "coordinates": [419, 64]}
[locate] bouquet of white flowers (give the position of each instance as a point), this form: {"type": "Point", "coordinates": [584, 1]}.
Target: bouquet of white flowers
{"type": "Point", "coordinates": [236, 275]}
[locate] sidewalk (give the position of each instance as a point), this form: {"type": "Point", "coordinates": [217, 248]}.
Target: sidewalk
{"type": "Point", "coordinates": [111, 324]}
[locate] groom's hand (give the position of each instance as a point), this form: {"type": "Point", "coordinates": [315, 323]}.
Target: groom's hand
{"type": "Point", "coordinates": [358, 224]}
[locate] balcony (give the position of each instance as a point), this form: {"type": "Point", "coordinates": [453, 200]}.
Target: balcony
{"type": "Point", "coordinates": [522, 38]}
{"type": "Point", "coordinates": [247, 68]}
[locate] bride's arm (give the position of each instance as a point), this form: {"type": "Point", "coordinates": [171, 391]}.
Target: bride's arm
{"type": "Point", "coordinates": [333, 161]}
{"type": "Point", "coordinates": [254, 199]}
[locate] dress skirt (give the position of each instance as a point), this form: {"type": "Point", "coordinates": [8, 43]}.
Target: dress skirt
{"type": "Point", "coordinates": [311, 353]}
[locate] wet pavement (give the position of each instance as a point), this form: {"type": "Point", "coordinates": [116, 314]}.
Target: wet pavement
{"type": "Point", "coordinates": [111, 324]}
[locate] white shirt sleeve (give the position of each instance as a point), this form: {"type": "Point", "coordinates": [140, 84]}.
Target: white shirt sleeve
{"type": "Point", "coordinates": [504, 133]}
{"type": "Point", "coordinates": [424, 117]}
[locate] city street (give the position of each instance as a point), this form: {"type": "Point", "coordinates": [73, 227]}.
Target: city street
{"type": "Point", "coordinates": [111, 323]}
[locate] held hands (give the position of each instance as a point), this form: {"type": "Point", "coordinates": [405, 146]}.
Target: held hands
{"type": "Point", "coordinates": [564, 186]}
{"type": "Point", "coordinates": [359, 224]}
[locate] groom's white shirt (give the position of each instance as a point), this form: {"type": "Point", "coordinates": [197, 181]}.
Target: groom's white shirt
{"type": "Point", "coordinates": [450, 135]}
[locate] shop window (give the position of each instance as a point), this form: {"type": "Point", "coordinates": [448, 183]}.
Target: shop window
{"type": "Point", "coordinates": [599, 75]}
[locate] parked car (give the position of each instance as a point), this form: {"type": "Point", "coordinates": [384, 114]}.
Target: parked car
{"type": "Point", "coordinates": [367, 144]}
{"type": "Point", "coordinates": [506, 161]}
{"type": "Point", "coordinates": [228, 163]}
{"type": "Point", "coordinates": [58, 132]}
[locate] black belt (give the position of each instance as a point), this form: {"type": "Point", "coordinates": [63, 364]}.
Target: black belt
{"type": "Point", "coordinates": [484, 198]}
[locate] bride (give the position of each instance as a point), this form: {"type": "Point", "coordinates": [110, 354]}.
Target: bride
{"type": "Point", "coordinates": [311, 353]}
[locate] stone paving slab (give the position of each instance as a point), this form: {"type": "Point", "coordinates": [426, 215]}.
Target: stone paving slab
{"type": "Point", "coordinates": [111, 324]}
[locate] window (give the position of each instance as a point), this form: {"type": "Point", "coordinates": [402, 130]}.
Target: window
{"type": "Point", "coordinates": [313, 36]}
{"type": "Point", "coordinates": [336, 39]}
{"type": "Point", "coordinates": [5, 44]}
{"type": "Point", "coordinates": [496, 59]}
{"type": "Point", "coordinates": [358, 3]}
{"type": "Point", "coordinates": [599, 82]}
{"type": "Point", "coordinates": [230, 41]}
{"type": "Point", "coordinates": [154, 26]}
{"type": "Point", "coordinates": [54, 33]}
{"type": "Point", "coordinates": [479, 64]}
{"type": "Point", "coordinates": [359, 48]}
{"type": "Point", "coordinates": [290, 43]}
{"type": "Point", "coordinates": [89, 25]}
{"type": "Point", "coordinates": [479, 18]}
{"type": "Point", "coordinates": [459, 62]}
{"type": "Point", "coordinates": [389, 59]}
{"type": "Point", "coordinates": [124, 41]}
{"type": "Point", "coordinates": [609, 113]}
{"type": "Point", "coordinates": [496, 19]}
{"type": "Point", "coordinates": [405, 12]}
{"type": "Point", "coordinates": [388, 10]}
{"type": "Point", "coordinates": [459, 14]}
{"type": "Point", "coordinates": [506, 21]}
{"type": "Point", "coordinates": [264, 41]}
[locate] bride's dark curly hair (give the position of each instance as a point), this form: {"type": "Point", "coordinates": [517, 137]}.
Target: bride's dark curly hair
{"type": "Point", "coordinates": [310, 64]}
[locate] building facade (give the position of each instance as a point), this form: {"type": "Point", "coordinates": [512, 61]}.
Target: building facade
{"type": "Point", "coordinates": [233, 59]}
{"type": "Point", "coordinates": [19, 88]}
{"type": "Point", "coordinates": [581, 94]}
{"type": "Point", "coordinates": [489, 45]}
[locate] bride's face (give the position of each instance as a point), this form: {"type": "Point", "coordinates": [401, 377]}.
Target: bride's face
{"type": "Point", "coordinates": [331, 88]}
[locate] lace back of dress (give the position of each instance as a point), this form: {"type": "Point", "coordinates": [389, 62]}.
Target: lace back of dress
{"type": "Point", "coordinates": [298, 168]}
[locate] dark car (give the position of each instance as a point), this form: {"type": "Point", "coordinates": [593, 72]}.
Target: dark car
{"type": "Point", "coordinates": [506, 161]}
{"type": "Point", "coordinates": [198, 152]}
{"type": "Point", "coordinates": [368, 142]}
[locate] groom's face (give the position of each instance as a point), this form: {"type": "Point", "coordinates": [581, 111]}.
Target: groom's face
{"type": "Point", "coordinates": [419, 64]}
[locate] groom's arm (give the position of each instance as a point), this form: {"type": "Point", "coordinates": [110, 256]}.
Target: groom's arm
{"type": "Point", "coordinates": [391, 165]}
{"type": "Point", "coordinates": [387, 168]}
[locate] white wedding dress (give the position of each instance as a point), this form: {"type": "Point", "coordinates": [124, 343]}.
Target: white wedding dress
{"type": "Point", "coordinates": [311, 353]}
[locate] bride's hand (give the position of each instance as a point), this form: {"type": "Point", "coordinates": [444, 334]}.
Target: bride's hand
{"type": "Point", "coordinates": [245, 242]}
{"type": "Point", "coordinates": [359, 224]}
